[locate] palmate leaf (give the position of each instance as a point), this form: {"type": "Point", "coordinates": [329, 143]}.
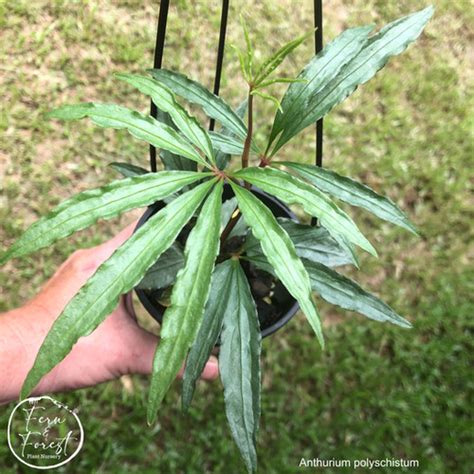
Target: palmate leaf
{"type": "Point", "coordinates": [341, 291]}
{"type": "Point", "coordinates": [163, 272]}
{"type": "Point", "coordinates": [352, 192]}
{"type": "Point", "coordinates": [164, 99]}
{"type": "Point", "coordinates": [128, 170]}
{"type": "Point", "coordinates": [292, 190]}
{"type": "Point", "coordinates": [140, 126]}
{"type": "Point", "coordinates": [312, 243]}
{"type": "Point", "coordinates": [216, 307]}
{"type": "Point", "coordinates": [280, 252]}
{"type": "Point", "coordinates": [239, 366]}
{"type": "Point", "coordinates": [84, 209]}
{"type": "Point", "coordinates": [195, 93]}
{"type": "Point", "coordinates": [182, 319]}
{"type": "Point", "coordinates": [117, 275]}
{"type": "Point", "coordinates": [363, 65]}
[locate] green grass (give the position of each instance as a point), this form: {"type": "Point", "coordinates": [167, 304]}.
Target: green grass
{"type": "Point", "coordinates": [377, 391]}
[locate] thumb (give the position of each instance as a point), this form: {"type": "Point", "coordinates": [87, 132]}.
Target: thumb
{"type": "Point", "coordinates": [146, 344]}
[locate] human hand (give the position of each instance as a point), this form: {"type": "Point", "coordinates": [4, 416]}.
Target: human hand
{"type": "Point", "coordinates": [117, 347]}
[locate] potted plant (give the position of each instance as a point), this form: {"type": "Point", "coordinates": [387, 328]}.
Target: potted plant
{"type": "Point", "coordinates": [218, 256]}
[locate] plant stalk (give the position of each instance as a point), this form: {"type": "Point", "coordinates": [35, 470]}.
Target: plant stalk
{"type": "Point", "coordinates": [248, 139]}
{"type": "Point", "coordinates": [245, 163]}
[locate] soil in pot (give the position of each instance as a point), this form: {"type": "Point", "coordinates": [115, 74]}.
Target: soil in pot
{"type": "Point", "coordinates": [274, 304]}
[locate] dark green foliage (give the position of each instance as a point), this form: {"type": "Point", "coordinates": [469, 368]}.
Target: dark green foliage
{"type": "Point", "coordinates": [196, 162]}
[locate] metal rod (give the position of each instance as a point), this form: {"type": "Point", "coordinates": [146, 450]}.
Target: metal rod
{"type": "Point", "coordinates": [157, 61]}
{"type": "Point", "coordinates": [318, 43]}
{"type": "Point", "coordinates": [220, 53]}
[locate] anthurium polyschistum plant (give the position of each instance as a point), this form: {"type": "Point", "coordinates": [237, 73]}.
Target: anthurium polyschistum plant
{"type": "Point", "coordinates": [197, 248]}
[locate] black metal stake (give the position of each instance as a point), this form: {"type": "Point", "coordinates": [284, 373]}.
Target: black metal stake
{"type": "Point", "coordinates": [220, 53]}
{"type": "Point", "coordinates": [158, 58]}
{"type": "Point", "coordinates": [318, 42]}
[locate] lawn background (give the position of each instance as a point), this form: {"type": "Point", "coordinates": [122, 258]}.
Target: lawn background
{"type": "Point", "coordinates": [377, 391]}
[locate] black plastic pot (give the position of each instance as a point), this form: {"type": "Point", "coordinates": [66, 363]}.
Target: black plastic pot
{"type": "Point", "coordinates": [271, 316]}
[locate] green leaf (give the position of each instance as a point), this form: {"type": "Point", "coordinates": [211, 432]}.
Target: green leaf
{"type": "Point", "coordinates": [311, 242]}
{"type": "Point", "coordinates": [269, 66]}
{"type": "Point", "coordinates": [391, 40]}
{"type": "Point", "coordinates": [239, 359]}
{"type": "Point", "coordinates": [248, 43]}
{"type": "Point", "coordinates": [117, 275]}
{"type": "Point", "coordinates": [222, 159]}
{"type": "Point", "coordinates": [352, 192]}
{"type": "Point", "coordinates": [140, 126]}
{"type": "Point", "coordinates": [293, 190]}
{"type": "Point", "coordinates": [195, 93]}
{"type": "Point", "coordinates": [172, 161]}
{"type": "Point", "coordinates": [84, 209]}
{"type": "Point", "coordinates": [226, 144]}
{"type": "Point", "coordinates": [220, 295]}
{"type": "Point", "coordinates": [183, 317]}
{"type": "Point", "coordinates": [317, 73]}
{"type": "Point", "coordinates": [165, 101]}
{"type": "Point", "coordinates": [267, 97]}
{"type": "Point", "coordinates": [341, 291]}
{"type": "Point", "coordinates": [244, 67]}
{"type": "Point", "coordinates": [163, 272]}
{"type": "Point", "coordinates": [280, 252]}
{"type": "Point", "coordinates": [128, 170]}
{"type": "Point", "coordinates": [348, 247]}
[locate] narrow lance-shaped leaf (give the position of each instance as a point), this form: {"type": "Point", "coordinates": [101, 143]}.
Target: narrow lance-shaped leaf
{"type": "Point", "coordinates": [84, 209]}
{"type": "Point", "coordinates": [192, 91]}
{"type": "Point", "coordinates": [164, 99]}
{"type": "Point", "coordinates": [311, 242]}
{"type": "Point", "coordinates": [267, 68]}
{"type": "Point", "coordinates": [391, 40]}
{"type": "Point", "coordinates": [222, 290]}
{"type": "Point", "coordinates": [352, 192]}
{"type": "Point", "coordinates": [341, 291]}
{"type": "Point", "coordinates": [280, 252]}
{"type": "Point", "coordinates": [183, 317]}
{"type": "Point", "coordinates": [172, 161]}
{"type": "Point", "coordinates": [317, 73]}
{"type": "Point", "coordinates": [239, 367]}
{"type": "Point", "coordinates": [117, 275]}
{"type": "Point", "coordinates": [226, 144]}
{"type": "Point", "coordinates": [269, 97]}
{"type": "Point", "coordinates": [128, 170]}
{"type": "Point", "coordinates": [293, 190]}
{"type": "Point", "coordinates": [140, 126]}
{"type": "Point", "coordinates": [163, 272]}
{"type": "Point", "coordinates": [222, 159]}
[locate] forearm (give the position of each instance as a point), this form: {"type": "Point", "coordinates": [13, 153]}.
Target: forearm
{"type": "Point", "coordinates": [22, 331]}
